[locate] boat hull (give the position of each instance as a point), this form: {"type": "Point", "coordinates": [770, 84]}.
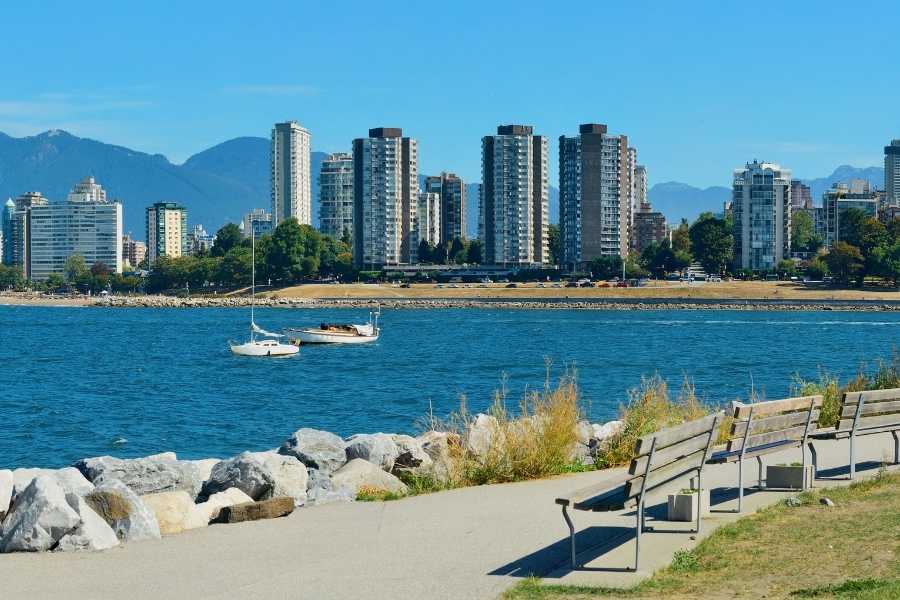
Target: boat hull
{"type": "Point", "coordinates": [315, 336]}
{"type": "Point", "coordinates": [265, 350]}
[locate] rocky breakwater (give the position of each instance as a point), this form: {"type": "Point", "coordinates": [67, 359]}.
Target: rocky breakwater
{"type": "Point", "coordinates": [99, 503]}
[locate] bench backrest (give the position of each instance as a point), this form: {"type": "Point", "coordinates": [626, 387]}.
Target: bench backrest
{"type": "Point", "coordinates": [870, 410]}
{"type": "Point", "coordinates": [773, 422]}
{"type": "Point", "coordinates": [671, 453]}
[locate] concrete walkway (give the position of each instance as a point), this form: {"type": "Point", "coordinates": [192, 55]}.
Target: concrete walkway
{"type": "Point", "coordinates": [467, 543]}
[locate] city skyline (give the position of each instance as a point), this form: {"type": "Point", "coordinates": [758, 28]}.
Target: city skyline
{"type": "Point", "coordinates": [677, 96]}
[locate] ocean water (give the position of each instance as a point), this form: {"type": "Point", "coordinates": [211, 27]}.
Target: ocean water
{"type": "Point", "coordinates": [78, 382]}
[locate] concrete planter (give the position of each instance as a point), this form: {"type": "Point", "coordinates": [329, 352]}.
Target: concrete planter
{"type": "Point", "coordinates": [683, 505]}
{"type": "Point", "coordinates": [789, 477]}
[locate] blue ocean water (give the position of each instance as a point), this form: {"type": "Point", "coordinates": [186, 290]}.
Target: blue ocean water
{"type": "Point", "coordinates": [78, 382]}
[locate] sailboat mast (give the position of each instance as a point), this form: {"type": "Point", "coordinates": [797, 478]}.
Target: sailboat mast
{"type": "Point", "coordinates": [252, 277]}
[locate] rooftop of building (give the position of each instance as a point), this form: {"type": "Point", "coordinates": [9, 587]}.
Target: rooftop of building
{"type": "Point", "coordinates": [386, 132]}
{"type": "Point", "coordinates": [515, 130]}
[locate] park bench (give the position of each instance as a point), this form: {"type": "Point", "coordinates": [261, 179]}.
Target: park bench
{"type": "Point", "coordinates": [863, 413]}
{"type": "Point", "coordinates": [761, 428]}
{"type": "Point", "coordinates": [660, 458]}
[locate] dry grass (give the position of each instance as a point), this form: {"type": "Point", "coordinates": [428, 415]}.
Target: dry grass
{"type": "Point", "coordinates": [847, 551]}
{"type": "Point", "coordinates": [650, 408]}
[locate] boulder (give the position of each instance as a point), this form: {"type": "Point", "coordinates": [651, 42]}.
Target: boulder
{"type": "Point", "coordinates": [288, 473]}
{"type": "Point", "coordinates": [92, 533]}
{"type": "Point", "coordinates": [360, 473]}
{"type": "Point", "coordinates": [244, 472]}
{"type": "Point", "coordinates": [377, 448]}
{"type": "Point", "coordinates": [441, 447]}
{"type": "Point", "coordinates": [410, 454]}
{"type": "Point", "coordinates": [253, 511]}
{"type": "Point", "coordinates": [209, 511]}
{"type": "Point", "coordinates": [150, 475]}
{"type": "Point", "coordinates": [316, 449]}
{"type": "Point", "coordinates": [128, 516]}
{"type": "Point", "coordinates": [584, 432]}
{"type": "Point", "coordinates": [482, 434]}
{"type": "Point", "coordinates": [204, 467]}
{"type": "Point", "coordinates": [602, 433]}
{"type": "Point", "coordinates": [6, 491]}
{"type": "Point", "coordinates": [69, 479]}
{"type": "Point", "coordinates": [39, 517]}
{"type": "Point", "coordinates": [320, 490]}
{"type": "Point", "coordinates": [174, 511]}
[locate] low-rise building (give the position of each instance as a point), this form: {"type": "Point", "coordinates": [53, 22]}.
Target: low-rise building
{"type": "Point", "coordinates": [841, 198]}
{"type": "Point", "coordinates": [199, 241]}
{"type": "Point", "coordinates": [258, 222]}
{"type": "Point", "coordinates": [133, 252]}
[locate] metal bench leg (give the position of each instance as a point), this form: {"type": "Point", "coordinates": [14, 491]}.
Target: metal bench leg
{"type": "Point", "coordinates": [759, 473]}
{"type": "Point", "coordinates": [571, 535]}
{"type": "Point", "coordinates": [699, 498]}
{"type": "Point", "coordinates": [896, 447]}
{"type": "Point", "coordinates": [852, 456]}
{"type": "Point", "coordinates": [740, 484]}
{"type": "Point", "coordinates": [637, 537]}
{"type": "Point", "coordinates": [815, 462]}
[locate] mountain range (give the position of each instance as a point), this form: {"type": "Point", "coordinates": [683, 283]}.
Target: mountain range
{"type": "Point", "coordinates": [221, 184]}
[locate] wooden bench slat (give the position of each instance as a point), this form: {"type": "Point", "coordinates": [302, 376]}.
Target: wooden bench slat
{"type": "Point", "coordinates": [773, 407]}
{"type": "Point", "coordinates": [671, 471]}
{"type": "Point", "coordinates": [872, 396]}
{"type": "Point", "coordinates": [773, 423]}
{"type": "Point", "coordinates": [794, 433]}
{"type": "Point", "coordinates": [871, 408]}
{"type": "Point", "coordinates": [871, 421]}
{"type": "Point", "coordinates": [598, 489]}
{"type": "Point", "coordinates": [670, 454]}
{"type": "Point", "coordinates": [673, 435]}
{"type": "Point", "coordinates": [724, 456]}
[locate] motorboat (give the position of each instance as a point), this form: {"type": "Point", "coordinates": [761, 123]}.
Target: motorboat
{"type": "Point", "coordinates": [268, 345]}
{"type": "Point", "coordinates": [338, 333]}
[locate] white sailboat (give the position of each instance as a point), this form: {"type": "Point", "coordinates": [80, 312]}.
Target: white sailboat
{"type": "Point", "coordinates": [339, 333]}
{"type": "Point", "coordinates": [269, 345]}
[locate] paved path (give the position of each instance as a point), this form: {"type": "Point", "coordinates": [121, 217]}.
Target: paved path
{"type": "Point", "coordinates": [460, 544]}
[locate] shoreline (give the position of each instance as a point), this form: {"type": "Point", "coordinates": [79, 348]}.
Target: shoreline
{"type": "Point", "coordinates": [558, 303]}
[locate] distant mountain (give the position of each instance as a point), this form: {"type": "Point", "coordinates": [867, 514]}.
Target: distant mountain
{"type": "Point", "coordinates": [682, 201]}
{"type": "Point", "coordinates": [843, 174]}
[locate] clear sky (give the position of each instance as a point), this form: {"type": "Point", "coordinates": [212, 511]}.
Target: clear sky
{"type": "Point", "coordinates": [699, 87]}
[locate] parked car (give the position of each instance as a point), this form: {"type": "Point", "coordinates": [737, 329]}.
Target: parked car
{"type": "Point", "coordinates": [622, 284]}
{"type": "Point", "coordinates": [512, 285]}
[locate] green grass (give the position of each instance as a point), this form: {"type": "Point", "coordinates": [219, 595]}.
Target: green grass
{"type": "Point", "coordinates": [369, 494]}
{"type": "Point", "coordinates": [851, 550]}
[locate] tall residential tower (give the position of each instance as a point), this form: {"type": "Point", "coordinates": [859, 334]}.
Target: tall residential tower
{"type": "Point", "coordinates": [514, 197]}
{"type": "Point", "coordinates": [167, 232]}
{"type": "Point", "coordinates": [336, 195]}
{"type": "Point", "coordinates": [452, 192]}
{"type": "Point", "coordinates": [892, 173]}
{"type": "Point", "coordinates": [291, 183]}
{"type": "Point", "coordinates": [761, 205]}
{"type": "Point", "coordinates": [385, 198]}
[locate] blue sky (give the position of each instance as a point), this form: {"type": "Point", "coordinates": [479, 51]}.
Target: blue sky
{"type": "Point", "coordinates": [699, 87]}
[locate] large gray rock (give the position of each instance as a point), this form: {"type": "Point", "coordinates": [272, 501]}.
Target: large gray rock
{"type": "Point", "coordinates": [289, 475]}
{"type": "Point", "coordinates": [209, 511]}
{"type": "Point", "coordinates": [410, 454]}
{"type": "Point", "coordinates": [377, 448]}
{"type": "Point", "coordinates": [150, 475]}
{"type": "Point", "coordinates": [602, 433]}
{"type": "Point", "coordinates": [320, 490]}
{"type": "Point", "coordinates": [69, 479]}
{"type": "Point", "coordinates": [204, 467]}
{"type": "Point", "coordinates": [316, 449]}
{"type": "Point", "coordinates": [6, 491]}
{"type": "Point", "coordinates": [124, 511]}
{"type": "Point", "coordinates": [174, 511]}
{"type": "Point", "coordinates": [39, 517]}
{"type": "Point", "coordinates": [360, 473]}
{"type": "Point", "coordinates": [244, 472]}
{"type": "Point", "coordinates": [583, 432]}
{"type": "Point", "coordinates": [92, 533]}
{"type": "Point", "coordinates": [482, 434]}
{"type": "Point", "coordinates": [441, 447]}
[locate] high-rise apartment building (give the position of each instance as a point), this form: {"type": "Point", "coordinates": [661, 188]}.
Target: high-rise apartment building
{"type": "Point", "coordinates": [596, 194]}
{"type": "Point", "coordinates": [892, 173]}
{"type": "Point", "coordinates": [452, 191]}
{"type": "Point", "coordinates": [649, 227]}
{"type": "Point", "coordinates": [385, 197]}
{"type": "Point", "coordinates": [167, 231]}
{"type": "Point", "coordinates": [6, 216]}
{"type": "Point", "coordinates": [291, 180]}
{"type": "Point", "coordinates": [199, 240]}
{"type": "Point", "coordinates": [801, 199]}
{"type": "Point", "coordinates": [428, 218]}
{"type": "Point", "coordinates": [336, 195]}
{"type": "Point", "coordinates": [514, 197]}
{"type": "Point", "coordinates": [257, 223]}
{"type": "Point", "coordinates": [761, 206]}
{"type": "Point", "coordinates": [639, 185]}
{"type": "Point", "coordinates": [133, 252]}
{"type": "Point", "coordinates": [85, 224]}
{"type": "Point", "coordinates": [842, 197]}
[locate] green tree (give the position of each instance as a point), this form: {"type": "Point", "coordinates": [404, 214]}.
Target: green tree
{"type": "Point", "coordinates": [458, 251]}
{"type": "Point", "coordinates": [886, 261]}
{"type": "Point", "coordinates": [330, 262]}
{"type": "Point", "coordinates": [294, 252]}
{"type": "Point", "coordinates": [11, 277]}
{"type": "Point", "coordinates": [426, 251]}
{"type": "Point", "coordinates": [554, 242]}
{"type": "Point", "coordinates": [816, 269]}
{"type": "Point", "coordinates": [74, 268]}
{"type": "Point", "coordinates": [55, 281]}
{"type": "Point", "coordinates": [347, 240]}
{"type": "Point", "coordinates": [803, 233]}
{"type": "Point", "coordinates": [681, 238]}
{"type": "Point", "coordinates": [711, 243]}
{"type": "Point", "coordinates": [235, 268]}
{"type": "Point", "coordinates": [227, 238]}
{"type": "Point", "coordinates": [606, 267]}
{"type": "Point", "coordinates": [475, 252]}
{"type": "Point", "coordinates": [786, 268]}
{"type": "Point", "coordinates": [844, 261]}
